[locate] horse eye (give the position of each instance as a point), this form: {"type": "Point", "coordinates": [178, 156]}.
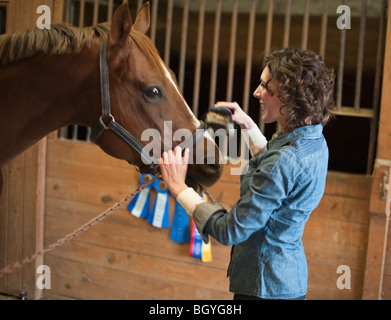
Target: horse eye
{"type": "Point", "coordinates": [153, 93]}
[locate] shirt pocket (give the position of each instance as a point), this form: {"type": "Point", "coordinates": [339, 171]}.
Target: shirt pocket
{"type": "Point", "coordinates": [285, 274]}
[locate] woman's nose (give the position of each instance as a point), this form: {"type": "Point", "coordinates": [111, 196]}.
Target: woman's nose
{"type": "Point", "coordinates": [257, 92]}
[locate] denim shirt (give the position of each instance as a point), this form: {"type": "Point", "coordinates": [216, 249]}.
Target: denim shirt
{"type": "Point", "coordinates": [278, 191]}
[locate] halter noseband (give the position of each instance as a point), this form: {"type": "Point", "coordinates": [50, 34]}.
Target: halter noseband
{"type": "Point", "coordinates": [107, 121]}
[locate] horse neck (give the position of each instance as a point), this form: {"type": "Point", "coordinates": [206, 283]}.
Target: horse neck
{"type": "Point", "coordinates": [41, 94]}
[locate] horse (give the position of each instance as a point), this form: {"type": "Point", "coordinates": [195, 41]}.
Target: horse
{"type": "Point", "coordinates": [109, 77]}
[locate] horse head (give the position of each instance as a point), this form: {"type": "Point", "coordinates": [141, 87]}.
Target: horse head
{"type": "Point", "coordinates": [143, 96]}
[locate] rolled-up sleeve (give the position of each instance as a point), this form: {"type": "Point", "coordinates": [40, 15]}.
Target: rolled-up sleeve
{"type": "Point", "coordinates": [202, 213]}
{"type": "Point", "coordinates": [257, 141]}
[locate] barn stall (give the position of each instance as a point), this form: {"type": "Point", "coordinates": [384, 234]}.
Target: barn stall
{"type": "Point", "coordinates": [215, 48]}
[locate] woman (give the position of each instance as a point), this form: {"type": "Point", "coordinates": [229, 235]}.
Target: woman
{"type": "Point", "coordinates": [283, 184]}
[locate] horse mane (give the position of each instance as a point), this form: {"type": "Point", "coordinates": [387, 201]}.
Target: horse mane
{"type": "Point", "coordinates": [59, 39]}
{"type": "Point", "coordinates": [64, 39]}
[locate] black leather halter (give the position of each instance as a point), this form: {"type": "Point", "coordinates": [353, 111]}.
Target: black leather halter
{"type": "Point", "coordinates": [107, 120]}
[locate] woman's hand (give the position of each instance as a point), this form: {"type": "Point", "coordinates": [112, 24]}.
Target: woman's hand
{"type": "Point", "coordinates": [238, 115]}
{"type": "Point", "coordinates": [174, 169]}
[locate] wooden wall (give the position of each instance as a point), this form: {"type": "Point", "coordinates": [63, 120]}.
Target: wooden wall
{"type": "Point", "coordinates": [124, 257]}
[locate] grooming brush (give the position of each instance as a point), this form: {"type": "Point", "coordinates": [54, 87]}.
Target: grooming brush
{"type": "Point", "coordinates": [218, 118]}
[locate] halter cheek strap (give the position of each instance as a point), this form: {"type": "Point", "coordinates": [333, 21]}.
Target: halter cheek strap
{"type": "Point", "coordinates": [107, 120]}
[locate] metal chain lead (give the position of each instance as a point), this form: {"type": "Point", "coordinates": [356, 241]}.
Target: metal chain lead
{"type": "Point", "coordinates": [78, 231]}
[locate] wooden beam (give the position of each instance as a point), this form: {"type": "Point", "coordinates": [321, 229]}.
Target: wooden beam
{"type": "Point", "coordinates": [380, 194]}
{"type": "Point", "coordinates": [40, 208]}
{"type": "Point", "coordinates": [58, 11]}
{"type": "Point", "coordinates": [384, 141]}
{"type": "Point", "coordinates": [379, 209]}
{"type": "Point", "coordinates": [23, 199]}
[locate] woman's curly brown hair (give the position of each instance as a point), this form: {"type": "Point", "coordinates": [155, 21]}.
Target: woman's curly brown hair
{"type": "Point", "coordinates": [305, 86]}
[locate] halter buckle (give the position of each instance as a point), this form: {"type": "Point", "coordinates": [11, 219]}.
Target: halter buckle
{"type": "Point", "coordinates": [111, 119]}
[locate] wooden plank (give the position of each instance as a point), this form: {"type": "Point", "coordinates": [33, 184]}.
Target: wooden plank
{"type": "Point", "coordinates": [343, 209]}
{"type": "Point", "coordinates": [29, 218]}
{"type": "Point", "coordinates": [338, 183]}
{"type": "Point", "coordinates": [40, 208]}
{"type": "Point", "coordinates": [384, 141]}
{"type": "Point", "coordinates": [348, 185]}
{"type": "Point", "coordinates": [378, 232]}
{"type": "Point", "coordinates": [15, 223]}
{"type": "Point", "coordinates": [322, 284]}
{"type": "Point", "coordinates": [195, 274]}
{"type": "Point", "coordinates": [226, 193]}
{"type": "Point", "coordinates": [88, 281]}
{"type": "Point", "coordinates": [75, 151]}
{"type": "Point", "coordinates": [387, 269]}
{"type": "Point", "coordinates": [333, 237]}
{"type": "Point", "coordinates": [386, 291]}
{"type": "Point", "coordinates": [120, 230]}
{"type": "Point", "coordinates": [92, 174]}
{"type": "Point", "coordinates": [58, 11]}
{"type": "Point", "coordinates": [352, 112]}
{"type": "Point", "coordinates": [4, 226]}
{"type": "Point", "coordinates": [336, 244]}
{"type": "Point", "coordinates": [98, 194]}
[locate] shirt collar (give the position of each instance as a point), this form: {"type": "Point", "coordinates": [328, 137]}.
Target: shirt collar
{"type": "Point", "coordinates": [307, 132]}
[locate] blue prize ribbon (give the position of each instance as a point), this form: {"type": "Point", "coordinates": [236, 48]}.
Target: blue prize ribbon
{"type": "Point", "coordinates": [195, 243]}
{"type": "Point", "coordinates": [180, 225]}
{"type": "Point", "coordinates": [159, 216]}
{"type": "Point", "coordinates": [139, 206]}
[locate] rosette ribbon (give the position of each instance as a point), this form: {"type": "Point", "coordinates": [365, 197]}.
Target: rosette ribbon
{"type": "Point", "coordinates": [139, 206]}
{"type": "Point", "coordinates": [198, 248]}
{"type": "Point", "coordinates": [159, 216]}
{"type": "Point", "coordinates": [180, 225]}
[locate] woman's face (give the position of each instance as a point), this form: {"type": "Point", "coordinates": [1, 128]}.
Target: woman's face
{"type": "Point", "coordinates": [267, 94]}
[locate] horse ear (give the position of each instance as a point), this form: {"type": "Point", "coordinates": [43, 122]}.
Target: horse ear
{"type": "Point", "coordinates": [143, 19]}
{"type": "Point", "coordinates": [121, 24]}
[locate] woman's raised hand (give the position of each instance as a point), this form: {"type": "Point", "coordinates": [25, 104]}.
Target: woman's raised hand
{"type": "Point", "coordinates": [174, 169]}
{"type": "Point", "coordinates": [238, 115]}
